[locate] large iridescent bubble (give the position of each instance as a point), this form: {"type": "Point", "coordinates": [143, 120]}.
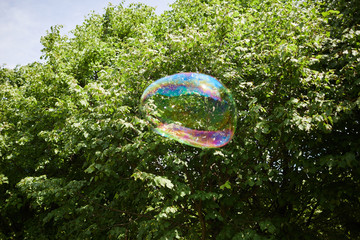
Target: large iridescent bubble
{"type": "Point", "coordinates": [192, 108]}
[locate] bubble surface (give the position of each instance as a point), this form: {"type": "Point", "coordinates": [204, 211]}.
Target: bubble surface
{"type": "Point", "coordinates": [192, 108]}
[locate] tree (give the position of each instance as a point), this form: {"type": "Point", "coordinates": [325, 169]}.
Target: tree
{"type": "Point", "coordinates": [78, 161]}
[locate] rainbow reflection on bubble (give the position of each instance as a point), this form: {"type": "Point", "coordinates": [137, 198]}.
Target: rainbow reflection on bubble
{"type": "Point", "coordinates": [192, 108]}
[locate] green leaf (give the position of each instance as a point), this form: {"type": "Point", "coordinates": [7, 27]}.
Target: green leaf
{"type": "Point", "coordinates": [225, 185]}
{"type": "Point", "coordinates": [3, 179]}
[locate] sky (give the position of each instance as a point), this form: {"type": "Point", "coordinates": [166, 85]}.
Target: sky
{"type": "Point", "coordinates": [23, 22]}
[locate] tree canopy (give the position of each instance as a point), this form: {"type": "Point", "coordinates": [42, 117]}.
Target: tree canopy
{"type": "Point", "coordinates": [79, 161]}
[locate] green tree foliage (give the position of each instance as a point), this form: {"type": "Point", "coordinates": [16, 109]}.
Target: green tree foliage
{"type": "Point", "coordinates": [78, 161]}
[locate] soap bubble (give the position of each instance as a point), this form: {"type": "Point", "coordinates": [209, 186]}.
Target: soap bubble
{"type": "Point", "coordinates": [192, 108]}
